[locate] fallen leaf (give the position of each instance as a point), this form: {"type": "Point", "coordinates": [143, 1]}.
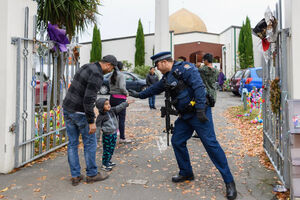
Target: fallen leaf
{"type": "Point", "coordinates": [5, 189]}
{"type": "Point", "coordinates": [37, 189]}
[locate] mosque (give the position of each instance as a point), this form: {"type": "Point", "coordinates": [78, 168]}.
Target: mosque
{"type": "Point", "coordinates": [189, 40]}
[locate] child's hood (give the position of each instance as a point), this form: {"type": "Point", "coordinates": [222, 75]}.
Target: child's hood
{"type": "Point", "coordinates": [100, 104]}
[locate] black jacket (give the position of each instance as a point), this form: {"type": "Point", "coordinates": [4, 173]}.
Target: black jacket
{"type": "Point", "coordinates": [82, 94]}
{"type": "Point", "coordinates": [151, 79]}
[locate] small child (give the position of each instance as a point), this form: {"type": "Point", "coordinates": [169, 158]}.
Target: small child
{"type": "Point", "coordinates": [107, 122]}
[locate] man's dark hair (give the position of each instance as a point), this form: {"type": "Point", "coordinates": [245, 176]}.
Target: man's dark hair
{"type": "Point", "coordinates": [170, 59]}
{"type": "Point", "coordinates": [208, 57]}
{"type": "Point", "coordinates": [182, 58]}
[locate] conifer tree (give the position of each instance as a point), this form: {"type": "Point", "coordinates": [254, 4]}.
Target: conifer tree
{"type": "Point", "coordinates": [241, 48]}
{"type": "Point", "coordinates": [245, 46]}
{"type": "Point", "coordinates": [249, 60]}
{"type": "Point", "coordinates": [139, 58]}
{"type": "Point", "coordinates": [96, 50]}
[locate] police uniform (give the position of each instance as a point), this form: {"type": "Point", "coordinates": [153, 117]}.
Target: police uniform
{"type": "Point", "coordinates": [187, 122]}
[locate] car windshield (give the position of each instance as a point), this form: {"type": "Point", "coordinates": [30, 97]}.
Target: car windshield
{"type": "Point", "coordinates": [136, 75]}
{"type": "Point", "coordinates": [238, 74]}
{"type": "Point", "coordinates": [259, 73]}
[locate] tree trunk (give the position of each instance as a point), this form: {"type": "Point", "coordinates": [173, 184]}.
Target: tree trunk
{"type": "Point", "coordinates": [57, 79]}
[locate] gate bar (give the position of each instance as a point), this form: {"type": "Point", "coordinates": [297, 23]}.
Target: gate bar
{"type": "Point", "coordinates": [18, 88]}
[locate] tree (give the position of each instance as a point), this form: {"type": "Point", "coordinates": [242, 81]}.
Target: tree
{"type": "Point", "coordinates": [139, 58]}
{"type": "Point", "coordinates": [249, 60]}
{"type": "Point", "coordinates": [241, 48]}
{"type": "Point", "coordinates": [96, 51]}
{"type": "Point", "coordinates": [245, 46]}
{"type": "Point", "coordinates": [72, 15]}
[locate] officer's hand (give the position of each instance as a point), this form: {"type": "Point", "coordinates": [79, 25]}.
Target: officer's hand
{"type": "Point", "coordinates": [134, 93]}
{"type": "Point", "coordinates": [201, 115]}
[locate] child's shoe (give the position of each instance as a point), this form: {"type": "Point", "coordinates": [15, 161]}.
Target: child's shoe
{"type": "Point", "coordinates": [112, 164]}
{"type": "Point", "coordinates": [106, 168]}
{"type": "Point", "coordinates": [125, 141]}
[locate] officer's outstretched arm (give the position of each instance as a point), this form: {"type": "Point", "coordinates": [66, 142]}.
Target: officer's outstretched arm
{"type": "Point", "coordinates": [134, 93]}
{"type": "Point", "coordinates": [154, 89]}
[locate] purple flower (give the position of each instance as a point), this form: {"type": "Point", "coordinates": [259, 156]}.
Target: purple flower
{"type": "Point", "coordinates": [59, 36]}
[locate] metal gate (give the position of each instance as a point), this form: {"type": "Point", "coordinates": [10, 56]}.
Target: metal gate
{"type": "Point", "coordinates": [275, 124]}
{"type": "Point", "coordinates": [42, 79]}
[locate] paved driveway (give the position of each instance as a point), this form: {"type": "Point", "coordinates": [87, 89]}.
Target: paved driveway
{"type": "Point", "coordinates": [145, 167]}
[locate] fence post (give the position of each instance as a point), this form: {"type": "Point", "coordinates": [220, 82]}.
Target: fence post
{"type": "Point", "coordinates": [245, 100]}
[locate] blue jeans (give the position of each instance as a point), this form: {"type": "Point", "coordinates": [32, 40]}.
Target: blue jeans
{"type": "Point", "coordinates": [77, 124]}
{"type": "Point", "coordinates": [152, 101]}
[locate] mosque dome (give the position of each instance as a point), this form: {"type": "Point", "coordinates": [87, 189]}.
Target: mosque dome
{"type": "Point", "coordinates": [183, 21]}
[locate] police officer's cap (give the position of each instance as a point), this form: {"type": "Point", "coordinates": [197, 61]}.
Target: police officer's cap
{"type": "Point", "coordinates": [161, 56]}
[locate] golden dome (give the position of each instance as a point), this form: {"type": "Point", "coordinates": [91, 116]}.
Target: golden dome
{"type": "Point", "coordinates": [185, 21]}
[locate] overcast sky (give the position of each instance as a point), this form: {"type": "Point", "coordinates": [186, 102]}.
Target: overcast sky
{"type": "Point", "coordinates": [119, 18]}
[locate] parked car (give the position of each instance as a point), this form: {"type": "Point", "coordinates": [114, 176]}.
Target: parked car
{"type": "Point", "coordinates": [235, 82]}
{"type": "Point", "coordinates": [133, 82]}
{"type": "Point", "coordinates": [252, 77]}
{"type": "Point", "coordinates": [38, 86]}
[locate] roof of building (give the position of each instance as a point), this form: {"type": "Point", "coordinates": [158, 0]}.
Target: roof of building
{"type": "Point", "coordinates": [185, 21]}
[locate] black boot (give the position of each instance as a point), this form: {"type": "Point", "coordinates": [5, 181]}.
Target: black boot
{"type": "Point", "coordinates": [179, 178]}
{"type": "Point", "coordinates": [231, 192]}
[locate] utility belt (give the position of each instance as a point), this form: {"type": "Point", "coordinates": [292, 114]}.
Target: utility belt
{"type": "Point", "coordinates": [190, 108]}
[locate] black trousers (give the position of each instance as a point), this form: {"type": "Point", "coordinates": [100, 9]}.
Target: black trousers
{"type": "Point", "coordinates": [121, 115]}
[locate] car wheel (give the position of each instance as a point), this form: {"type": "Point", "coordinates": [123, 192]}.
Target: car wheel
{"type": "Point", "coordinates": [103, 89]}
{"type": "Point", "coordinates": [236, 93]}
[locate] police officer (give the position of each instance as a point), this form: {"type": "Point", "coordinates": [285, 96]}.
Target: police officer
{"type": "Point", "coordinates": [185, 85]}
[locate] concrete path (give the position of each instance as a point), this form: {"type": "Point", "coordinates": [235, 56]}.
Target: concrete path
{"type": "Point", "coordinates": [145, 167]}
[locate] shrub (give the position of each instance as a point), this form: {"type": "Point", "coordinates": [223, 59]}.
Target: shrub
{"type": "Point", "coordinates": [142, 70]}
{"type": "Point", "coordinates": [126, 65]}
{"type": "Point", "coordinates": [226, 85]}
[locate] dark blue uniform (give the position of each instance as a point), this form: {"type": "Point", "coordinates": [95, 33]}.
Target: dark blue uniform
{"type": "Point", "coordinates": [188, 122]}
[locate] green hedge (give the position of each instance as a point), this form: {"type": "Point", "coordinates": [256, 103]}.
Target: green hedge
{"type": "Point", "coordinates": [142, 70]}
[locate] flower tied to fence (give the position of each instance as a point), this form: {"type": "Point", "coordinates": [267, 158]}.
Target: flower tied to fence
{"type": "Point", "coordinates": [275, 95]}
{"type": "Point", "coordinates": [59, 37]}
{"type": "Point", "coordinates": [54, 116]}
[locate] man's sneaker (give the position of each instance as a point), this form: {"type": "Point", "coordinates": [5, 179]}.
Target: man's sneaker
{"type": "Point", "coordinates": [98, 177]}
{"type": "Point", "coordinates": [106, 168]}
{"type": "Point", "coordinates": [124, 141]}
{"type": "Point", "coordinates": [76, 180]}
{"type": "Point", "coordinates": [112, 164]}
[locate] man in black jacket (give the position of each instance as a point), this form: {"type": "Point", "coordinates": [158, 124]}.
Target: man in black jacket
{"type": "Point", "coordinates": [79, 117]}
{"type": "Point", "coordinates": [150, 80]}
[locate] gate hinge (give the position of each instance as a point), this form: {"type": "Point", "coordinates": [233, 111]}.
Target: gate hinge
{"type": "Point", "coordinates": [12, 128]}
{"type": "Point", "coordinates": [14, 40]}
